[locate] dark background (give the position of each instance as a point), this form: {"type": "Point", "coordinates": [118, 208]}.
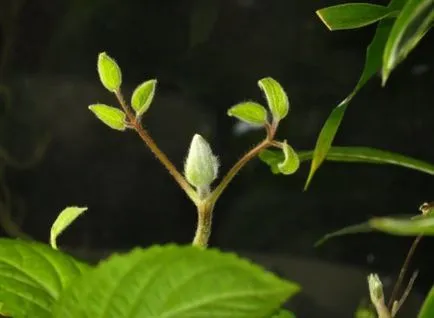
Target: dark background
{"type": "Point", "coordinates": [206, 56]}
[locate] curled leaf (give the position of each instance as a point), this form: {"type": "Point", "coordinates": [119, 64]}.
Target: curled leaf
{"type": "Point", "coordinates": [276, 97]}
{"type": "Point", "coordinates": [291, 163]}
{"type": "Point", "coordinates": [65, 218]}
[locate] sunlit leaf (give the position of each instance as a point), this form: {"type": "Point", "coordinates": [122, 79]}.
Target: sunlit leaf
{"type": "Point", "coordinates": [291, 162]}
{"type": "Point", "coordinates": [249, 112]}
{"type": "Point", "coordinates": [373, 62]}
{"type": "Point", "coordinates": [32, 276]}
{"type": "Point", "coordinates": [142, 97]}
{"type": "Point", "coordinates": [411, 25]}
{"type": "Point", "coordinates": [111, 116]}
{"type": "Point", "coordinates": [173, 281]}
{"type": "Point", "coordinates": [109, 72]}
{"type": "Point", "coordinates": [427, 310]}
{"type": "Point", "coordinates": [352, 15]}
{"type": "Point", "coordinates": [356, 155]}
{"type": "Point", "coordinates": [65, 218]}
{"type": "Point", "coordinates": [276, 97]}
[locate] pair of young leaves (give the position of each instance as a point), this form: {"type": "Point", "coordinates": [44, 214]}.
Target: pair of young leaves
{"type": "Point", "coordinates": [255, 114]}
{"type": "Point", "coordinates": [111, 77]}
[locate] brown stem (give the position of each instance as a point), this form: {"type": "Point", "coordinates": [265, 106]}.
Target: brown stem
{"type": "Point", "coordinates": [136, 125]}
{"type": "Point", "coordinates": [403, 271]}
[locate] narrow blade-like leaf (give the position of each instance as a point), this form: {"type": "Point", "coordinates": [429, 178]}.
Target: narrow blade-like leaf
{"type": "Point", "coordinates": [355, 155]}
{"type": "Point", "coordinates": [65, 218]}
{"type": "Point", "coordinates": [249, 112]}
{"type": "Point", "coordinates": [171, 282]}
{"type": "Point", "coordinates": [410, 227]}
{"type": "Point", "coordinates": [411, 25]}
{"type": "Point", "coordinates": [352, 15]}
{"type": "Point", "coordinates": [142, 97]}
{"type": "Point", "coordinates": [276, 97]}
{"type": "Point", "coordinates": [373, 62]}
{"type": "Point", "coordinates": [111, 116]}
{"type": "Point", "coordinates": [427, 310]}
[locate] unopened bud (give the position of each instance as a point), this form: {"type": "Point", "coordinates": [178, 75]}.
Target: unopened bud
{"type": "Point", "coordinates": [201, 166]}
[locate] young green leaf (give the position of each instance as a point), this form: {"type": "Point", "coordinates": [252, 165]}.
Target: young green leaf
{"type": "Point", "coordinates": [352, 15]}
{"type": "Point", "coordinates": [356, 155]}
{"type": "Point", "coordinates": [423, 225]}
{"type": "Point", "coordinates": [65, 218]}
{"type": "Point", "coordinates": [352, 229]}
{"type": "Point", "coordinates": [249, 112]}
{"type": "Point", "coordinates": [109, 72]}
{"type": "Point", "coordinates": [412, 24]}
{"type": "Point", "coordinates": [111, 116]}
{"type": "Point", "coordinates": [32, 276]}
{"type": "Point", "coordinates": [427, 310]}
{"type": "Point", "coordinates": [142, 97]}
{"type": "Point", "coordinates": [173, 281]}
{"type": "Point", "coordinates": [276, 97]}
{"type": "Point", "coordinates": [373, 62]}
{"type": "Point", "coordinates": [291, 162]}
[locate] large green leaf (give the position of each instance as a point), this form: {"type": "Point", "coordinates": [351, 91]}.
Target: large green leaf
{"type": "Point", "coordinates": [32, 275]}
{"type": "Point", "coordinates": [352, 15]}
{"type": "Point", "coordinates": [173, 281]}
{"type": "Point", "coordinates": [427, 310]}
{"type": "Point", "coordinates": [353, 154]}
{"type": "Point", "coordinates": [373, 62]}
{"type": "Point", "coordinates": [411, 25]}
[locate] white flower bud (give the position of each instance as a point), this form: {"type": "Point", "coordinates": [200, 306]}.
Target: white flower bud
{"type": "Point", "coordinates": [201, 166]}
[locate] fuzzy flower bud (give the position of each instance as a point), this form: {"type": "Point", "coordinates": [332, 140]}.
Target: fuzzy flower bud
{"type": "Point", "coordinates": [201, 166]}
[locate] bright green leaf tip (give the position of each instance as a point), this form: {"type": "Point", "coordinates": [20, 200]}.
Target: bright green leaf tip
{"type": "Point", "coordinates": [111, 116]}
{"type": "Point", "coordinates": [143, 96]}
{"type": "Point", "coordinates": [65, 218]}
{"type": "Point", "coordinates": [276, 96]}
{"type": "Point", "coordinates": [249, 112]}
{"type": "Point", "coordinates": [109, 72]}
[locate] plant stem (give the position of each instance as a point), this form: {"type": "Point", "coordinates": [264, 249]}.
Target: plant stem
{"type": "Point", "coordinates": [137, 126]}
{"type": "Point", "coordinates": [204, 224]}
{"type": "Point", "coordinates": [403, 271]}
{"type": "Point", "coordinates": [237, 167]}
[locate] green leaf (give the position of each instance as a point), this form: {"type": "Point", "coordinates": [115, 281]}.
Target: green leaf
{"type": "Point", "coordinates": [111, 116]}
{"type": "Point", "coordinates": [373, 62]}
{"type": "Point", "coordinates": [352, 15]}
{"type": "Point", "coordinates": [276, 97]}
{"type": "Point", "coordinates": [142, 97]}
{"type": "Point", "coordinates": [32, 275]}
{"type": "Point", "coordinates": [65, 218]}
{"type": "Point", "coordinates": [427, 310]}
{"type": "Point", "coordinates": [412, 24]}
{"type": "Point", "coordinates": [291, 162]}
{"type": "Point", "coordinates": [249, 112]}
{"type": "Point", "coordinates": [355, 155]}
{"type": "Point", "coordinates": [423, 225]}
{"type": "Point", "coordinates": [173, 281]}
{"type": "Point", "coordinates": [109, 72]}
{"type": "Point", "coordinates": [282, 313]}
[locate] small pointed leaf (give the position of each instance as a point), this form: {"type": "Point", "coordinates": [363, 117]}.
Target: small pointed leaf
{"type": "Point", "coordinates": [109, 72]}
{"type": "Point", "coordinates": [65, 218]}
{"type": "Point", "coordinates": [412, 24]}
{"type": "Point", "coordinates": [249, 112]}
{"type": "Point", "coordinates": [276, 97]}
{"type": "Point", "coordinates": [352, 15]}
{"type": "Point", "coordinates": [142, 97]}
{"type": "Point", "coordinates": [291, 163]}
{"type": "Point", "coordinates": [427, 310]}
{"type": "Point", "coordinates": [111, 116]}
